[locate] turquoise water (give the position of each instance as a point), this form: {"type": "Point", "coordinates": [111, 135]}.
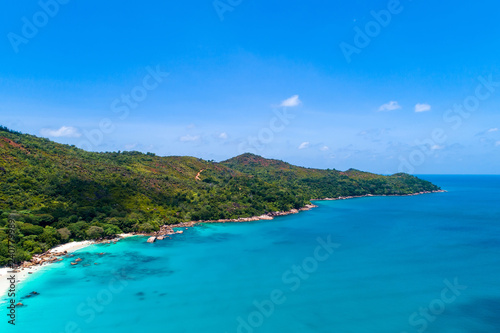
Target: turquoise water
{"type": "Point", "coordinates": [388, 268]}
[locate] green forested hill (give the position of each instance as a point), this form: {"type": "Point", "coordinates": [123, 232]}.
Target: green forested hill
{"type": "Point", "coordinates": [317, 183]}
{"type": "Point", "coordinates": [57, 193]}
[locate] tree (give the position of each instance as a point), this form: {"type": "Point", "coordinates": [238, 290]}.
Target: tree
{"type": "Point", "coordinates": [65, 233]}
{"type": "Point", "coordinates": [111, 230]}
{"type": "Point", "coordinates": [30, 229]}
{"type": "Point", "coordinates": [43, 219]}
{"type": "Point", "coordinates": [50, 236]}
{"type": "Point", "coordinates": [146, 228]}
{"type": "Point", "coordinates": [78, 229]}
{"type": "Point", "coordinates": [95, 232]}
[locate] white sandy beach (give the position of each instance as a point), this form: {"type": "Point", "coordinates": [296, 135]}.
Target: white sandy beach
{"type": "Point", "coordinates": [23, 273]}
{"type": "Point", "coordinates": [20, 276]}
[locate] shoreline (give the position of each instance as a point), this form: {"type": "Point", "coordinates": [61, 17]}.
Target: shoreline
{"type": "Point", "coordinates": [379, 195]}
{"type": "Point", "coordinates": [41, 261]}
{"type": "Point", "coordinates": [22, 273]}
{"type": "Point", "coordinates": [168, 230]}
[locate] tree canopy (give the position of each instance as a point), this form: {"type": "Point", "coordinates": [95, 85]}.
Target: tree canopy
{"type": "Point", "coordinates": [58, 193]}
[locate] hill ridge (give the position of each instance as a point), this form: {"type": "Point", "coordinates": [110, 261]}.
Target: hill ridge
{"type": "Point", "coordinates": [57, 193]}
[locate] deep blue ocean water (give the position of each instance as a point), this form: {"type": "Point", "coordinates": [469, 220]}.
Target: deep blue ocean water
{"type": "Point", "coordinates": [428, 263]}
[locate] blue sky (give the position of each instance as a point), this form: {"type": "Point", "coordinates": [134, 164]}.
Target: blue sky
{"type": "Point", "coordinates": [382, 86]}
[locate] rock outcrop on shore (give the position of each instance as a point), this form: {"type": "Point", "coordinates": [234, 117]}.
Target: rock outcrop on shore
{"type": "Point", "coordinates": [54, 255]}
{"type": "Point", "coordinates": [268, 216]}
{"type": "Point", "coordinates": [168, 229]}
{"type": "Point", "coordinates": [44, 258]}
{"type": "Point", "coordinates": [144, 188]}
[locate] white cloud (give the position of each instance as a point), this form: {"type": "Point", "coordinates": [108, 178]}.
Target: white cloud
{"type": "Point", "coordinates": [189, 138]}
{"type": "Point", "coordinates": [497, 143]}
{"type": "Point", "coordinates": [304, 145]}
{"type": "Point", "coordinates": [486, 132]}
{"type": "Point", "coordinates": [437, 147]}
{"type": "Point", "coordinates": [422, 107]}
{"type": "Point", "coordinates": [64, 131]}
{"type": "Point", "coordinates": [223, 136]}
{"type": "Point", "coordinates": [131, 146]}
{"type": "Point", "coordinates": [291, 102]}
{"type": "Point", "coordinates": [392, 105]}
{"type": "Point", "coordinates": [324, 148]}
